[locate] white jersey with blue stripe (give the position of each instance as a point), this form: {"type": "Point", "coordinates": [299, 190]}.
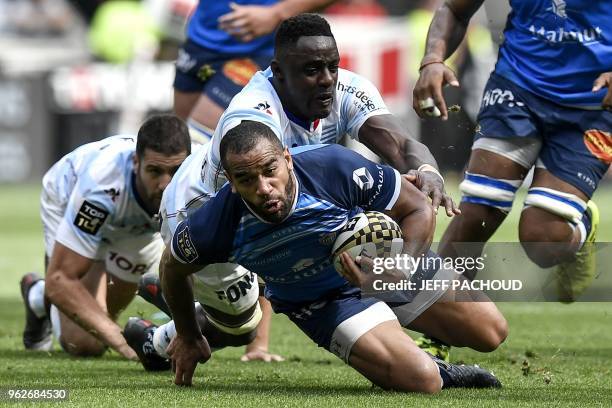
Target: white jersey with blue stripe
{"type": "Point", "coordinates": [293, 257]}
{"type": "Point", "coordinates": [95, 185]}
{"type": "Point", "coordinates": [557, 48]}
{"type": "Point", "coordinates": [356, 99]}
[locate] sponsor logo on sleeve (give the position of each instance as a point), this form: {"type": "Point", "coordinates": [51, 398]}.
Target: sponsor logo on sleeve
{"type": "Point", "coordinates": [362, 99]}
{"type": "Point", "coordinates": [185, 246]}
{"type": "Point", "coordinates": [363, 178]}
{"type": "Point", "coordinates": [90, 218]}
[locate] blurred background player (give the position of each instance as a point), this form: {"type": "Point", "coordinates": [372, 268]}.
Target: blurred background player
{"type": "Point", "coordinates": [546, 105]}
{"type": "Point", "coordinates": [99, 209]}
{"type": "Point", "coordinates": [227, 42]}
{"type": "Point", "coordinates": [274, 194]}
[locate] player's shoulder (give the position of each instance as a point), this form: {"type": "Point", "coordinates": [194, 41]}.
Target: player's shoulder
{"type": "Point", "coordinates": [325, 155]}
{"type": "Point", "coordinates": [258, 94]}
{"type": "Point", "coordinates": [108, 166]}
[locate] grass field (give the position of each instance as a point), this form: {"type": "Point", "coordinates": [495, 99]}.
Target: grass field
{"type": "Point", "coordinates": [556, 355]}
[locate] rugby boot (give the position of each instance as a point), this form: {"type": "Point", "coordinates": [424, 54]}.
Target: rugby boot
{"type": "Point", "coordinates": [575, 276]}
{"type": "Point", "coordinates": [465, 376]}
{"type": "Point", "coordinates": [138, 334]}
{"type": "Point", "coordinates": [37, 334]}
{"type": "Point", "coordinates": [434, 347]}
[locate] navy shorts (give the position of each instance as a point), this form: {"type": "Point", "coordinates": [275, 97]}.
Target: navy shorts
{"type": "Point", "coordinates": [336, 321]}
{"type": "Point", "coordinates": [218, 76]}
{"type": "Point", "coordinates": [576, 143]}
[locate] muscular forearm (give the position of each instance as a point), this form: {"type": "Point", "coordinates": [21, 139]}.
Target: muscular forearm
{"type": "Point", "coordinates": [418, 228]}
{"type": "Point", "coordinates": [384, 135]}
{"type": "Point", "coordinates": [448, 28]}
{"type": "Point", "coordinates": [179, 296]}
{"type": "Point", "coordinates": [73, 299]}
{"type": "Point", "coordinates": [261, 340]}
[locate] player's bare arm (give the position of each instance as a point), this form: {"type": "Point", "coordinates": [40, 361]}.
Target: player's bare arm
{"type": "Point", "coordinates": [385, 136]}
{"type": "Point", "coordinates": [189, 347]}
{"type": "Point", "coordinates": [446, 32]}
{"type": "Point", "coordinates": [65, 290]}
{"type": "Point", "coordinates": [247, 22]}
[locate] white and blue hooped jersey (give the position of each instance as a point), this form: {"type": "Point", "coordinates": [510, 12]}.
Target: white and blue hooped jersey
{"type": "Point", "coordinates": [557, 48]}
{"type": "Point", "coordinates": [94, 184]}
{"type": "Point", "coordinates": [293, 257]}
{"type": "Point", "coordinates": [356, 99]}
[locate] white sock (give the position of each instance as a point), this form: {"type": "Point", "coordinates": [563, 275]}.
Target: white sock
{"type": "Point", "coordinates": [162, 337]}
{"type": "Point", "coordinates": [582, 229]}
{"type": "Point", "coordinates": [55, 322]}
{"type": "Point", "coordinates": [36, 299]}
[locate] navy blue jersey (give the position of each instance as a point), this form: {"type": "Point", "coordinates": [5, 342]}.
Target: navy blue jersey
{"type": "Point", "coordinates": [204, 29]}
{"type": "Point", "coordinates": [556, 49]}
{"type": "Point", "coordinates": [293, 257]}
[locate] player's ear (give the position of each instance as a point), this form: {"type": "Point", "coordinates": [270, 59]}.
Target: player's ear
{"type": "Point", "coordinates": [136, 162]}
{"type": "Point", "coordinates": [288, 158]}
{"type": "Point", "coordinates": [276, 70]}
{"type": "Point", "coordinates": [228, 177]}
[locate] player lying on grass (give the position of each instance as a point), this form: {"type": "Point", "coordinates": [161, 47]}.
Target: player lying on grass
{"type": "Point", "coordinates": [99, 208]}
{"type": "Point", "coordinates": [278, 218]}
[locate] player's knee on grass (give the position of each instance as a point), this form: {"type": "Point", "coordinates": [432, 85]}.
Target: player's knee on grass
{"type": "Point", "coordinates": [390, 359]}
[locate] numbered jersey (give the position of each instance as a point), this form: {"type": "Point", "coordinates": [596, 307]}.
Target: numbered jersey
{"type": "Point", "coordinates": [91, 191]}
{"type": "Point", "coordinates": [557, 48]}
{"type": "Point", "coordinates": [356, 99]}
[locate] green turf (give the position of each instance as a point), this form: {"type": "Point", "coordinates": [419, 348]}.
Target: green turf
{"type": "Point", "coordinates": [556, 355]}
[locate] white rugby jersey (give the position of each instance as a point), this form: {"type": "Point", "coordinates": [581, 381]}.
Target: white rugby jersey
{"type": "Point", "coordinates": [356, 100]}
{"type": "Point", "coordinates": [94, 185]}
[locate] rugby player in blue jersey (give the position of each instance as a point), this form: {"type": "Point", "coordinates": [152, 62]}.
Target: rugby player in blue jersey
{"type": "Point", "coordinates": [278, 218]}
{"type": "Point", "coordinates": [547, 104]}
{"type": "Point", "coordinates": [227, 42]}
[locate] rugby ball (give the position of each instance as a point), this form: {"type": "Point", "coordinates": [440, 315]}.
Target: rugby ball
{"type": "Point", "coordinates": [372, 234]}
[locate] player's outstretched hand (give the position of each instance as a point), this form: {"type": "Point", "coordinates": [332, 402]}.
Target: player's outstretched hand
{"type": "Point", "coordinates": [604, 80]}
{"type": "Point", "coordinates": [260, 355]}
{"type": "Point", "coordinates": [246, 23]}
{"type": "Point", "coordinates": [432, 185]}
{"type": "Point", "coordinates": [186, 353]}
{"type": "Point", "coordinates": [427, 98]}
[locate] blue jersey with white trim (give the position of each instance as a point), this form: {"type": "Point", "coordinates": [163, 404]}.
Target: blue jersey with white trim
{"type": "Point", "coordinates": [557, 48]}
{"type": "Point", "coordinates": [293, 257]}
{"type": "Point", "coordinates": [203, 29]}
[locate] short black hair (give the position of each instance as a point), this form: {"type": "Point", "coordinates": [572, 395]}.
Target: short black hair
{"type": "Point", "coordinates": [302, 25]}
{"type": "Point", "coordinates": [244, 137]}
{"type": "Point", "coordinates": [164, 133]}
